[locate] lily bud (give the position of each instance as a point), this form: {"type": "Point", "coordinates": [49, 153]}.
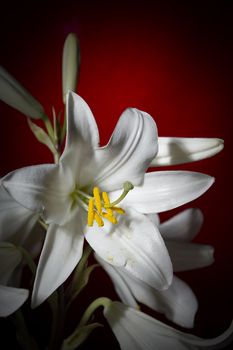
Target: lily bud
{"type": "Point", "coordinates": [16, 96]}
{"type": "Point", "coordinates": [70, 64]}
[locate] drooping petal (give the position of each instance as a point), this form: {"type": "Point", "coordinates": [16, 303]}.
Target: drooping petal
{"type": "Point", "coordinates": [183, 226]}
{"type": "Point", "coordinates": [16, 222]}
{"type": "Point", "coordinates": [10, 257]}
{"type": "Point", "coordinates": [61, 253]}
{"type": "Point", "coordinates": [16, 96]}
{"type": "Point", "coordinates": [179, 150]}
{"type": "Point", "coordinates": [121, 286]}
{"type": "Point", "coordinates": [135, 330]}
{"type": "Point", "coordinates": [188, 256]}
{"type": "Point", "coordinates": [129, 152]}
{"type": "Point", "coordinates": [165, 190]}
{"type": "Point", "coordinates": [43, 189]}
{"type": "Point", "coordinates": [11, 299]}
{"type": "Point", "coordinates": [135, 244]}
{"type": "Point", "coordinates": [178, 302]}
{"type": "Point", "coordinates": [70, 64]}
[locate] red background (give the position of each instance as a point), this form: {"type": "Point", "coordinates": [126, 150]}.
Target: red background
{"type": "Point", "coordinates": [173, 61]}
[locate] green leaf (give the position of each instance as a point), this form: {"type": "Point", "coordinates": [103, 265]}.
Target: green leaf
{"type": "Point", "coordinates": [41, 136]}
{"type": "Point", "coordinates": [16, 96]}
{"type": "Point", "coordinates": [79, 336]}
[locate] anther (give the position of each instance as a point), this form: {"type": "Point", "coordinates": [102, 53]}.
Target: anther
{"type": "Point", "coordinates": [98, 219]}
{"type": "Point", "coordinates": [90, 215]}
{"type": "Point", "coordinates": [98, 204]}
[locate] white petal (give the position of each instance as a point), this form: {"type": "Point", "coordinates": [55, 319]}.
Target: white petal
{"type": "Point", "coordinates": [165, 190]}
{"type": "Point", "coordinates": [129, 152]}
{"type": "Point", "coordinates": [82, 138]}
{"type": "Point", "coordinates": [183, 226]}
{"type": "Point", "coordinates": [121, 286]}
{"type": "Point", "coordinates": [70, 64]}
{"type": "Point", "coordinates": [81, 124]}
{"type": "Point", "coordinates": [61, 253]}
{"type": "Point", "coordinates": [135, 330]}
{"type": "Point", "coordinates": [178, 302]}
{"type": "Point", "coordinates": [10, 257]}
{"type": "Point", "coordinates": [16, 222]}
{"type": "Point", "coordinates": [43, 189]}
{"type": "Point", "coordinates": [175, 150]}
{"type": "Point", "coordinates": [12, 93]}
{"type": "Point", "coordinates": [154, 218]}
{"type": "Point", "coordinates": [136, 244]}
{"type": "Point", "coordinates": [11, 299]}
{"type": "Point", "coordinates": [189, 256]}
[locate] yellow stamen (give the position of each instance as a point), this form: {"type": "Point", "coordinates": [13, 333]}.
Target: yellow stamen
{"type": "Point", "coordinates": [98, 219]}
{"type": "Point", "coordinates": [107, 203]}
{"type": "Point", "coordinates": [118, 210]}
{"type": "Point", "coordinates": [111, 218]}
{"type": "Point", "coordinates": [98, 204]}
{"type": "Point", "coordinates": [101, 207]}
{"type": "Point", "coordinates": [90, 215]}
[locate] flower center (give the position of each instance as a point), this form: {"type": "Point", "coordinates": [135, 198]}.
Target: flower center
{"type": "Point", "coordinates": [99, 206]}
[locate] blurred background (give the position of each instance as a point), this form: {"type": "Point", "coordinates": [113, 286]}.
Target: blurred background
{"type": "Point", "coordinates": [170, 59]}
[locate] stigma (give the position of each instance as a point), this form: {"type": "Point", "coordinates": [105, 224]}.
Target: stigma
{"type": "Point", "coordinates": [100, 207]}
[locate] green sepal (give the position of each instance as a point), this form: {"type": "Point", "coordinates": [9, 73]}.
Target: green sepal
{"type": "Point", "coordinates": [79, 336]}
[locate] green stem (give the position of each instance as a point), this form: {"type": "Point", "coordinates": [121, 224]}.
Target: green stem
{"type": "Point", "coordinates": [27, 257]}
{"type": "Point", "coordinates": [56, 157]}
{"type": "Point", "coordinates": [25, 340]}
{"type": "Point", "coordinates": [103, 301]}
{"type": "Point", "coordinates": [57, 305]}
{"type": "Point", "coordinates": [75, 287]}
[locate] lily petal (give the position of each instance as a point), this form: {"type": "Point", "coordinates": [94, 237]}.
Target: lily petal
{"type": "Point", "coordinates": [43, 189]}
{"type": "Point", "coordinates": [121, 286]}
{"type": "Point", "coordinates": [16, 222]}
{"type": "Point", "coordinates": [61, 253]}
{"type": "Point", "coordinates": [183, 226]}
{"type": "Point", "coordinates": [189, 256]}
{"type": "Point", "coordinates": [178, 302]}
{"type": "Point", "coordinates": [16, 96]}
{"type": "Point", "coordinates": [179, 150]}
{"type": "Point", "coordinates": [11, 299]}
{"type": "Point", "coordinates": [129, 152]}
{"type": "Point", "coordinates": [82, 138]}
{"type": "Point", "coordinates": [165, 190]}
{"type": "Point", "coordinates": [154, 217]}
{"type": "Point", "coordinates": [135, 330]}
{"type": "Point", "coordinates": [135, 244]}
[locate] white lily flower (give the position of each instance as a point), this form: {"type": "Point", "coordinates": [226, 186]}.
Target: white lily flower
{"type": "Point", "coordinates": [135, 330]}
{"type": "Point", "coordinates": [70, 64]}
{"type": "Point", "coordinates": [178, 302]}
{"type": "Point", "coordinates": [16, 96]}
{"type": "Point", "coordinates": [179, 150]}
{"type": "Point", "coordinates": [11, 298]}
{"type": "Point", "coordinates": [68, 196]}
